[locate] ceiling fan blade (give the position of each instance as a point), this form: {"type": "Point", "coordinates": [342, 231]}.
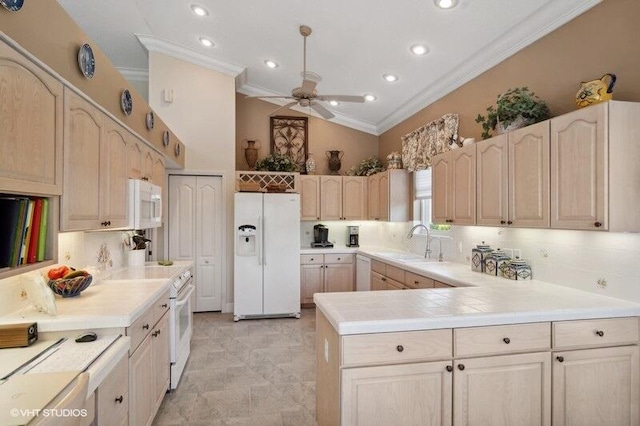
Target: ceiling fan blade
{"type": "Point", "coordinates": [289, 105]}
{"type": "Point", "coordinates": [325, 113]}
{"type": "Point", "coordinates": [308, 86]}
{"type": "Point", "coordinates": [341, 98]}
{"type": "Point", "coordinates": [270, 97]}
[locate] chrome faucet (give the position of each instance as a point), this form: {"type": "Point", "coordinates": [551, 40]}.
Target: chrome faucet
{"type": "Point", "coordinates": [440, 256]}
{"type": "Point", "coordinates": [427, 250]}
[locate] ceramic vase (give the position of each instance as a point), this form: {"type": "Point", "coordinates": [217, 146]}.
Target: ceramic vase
{"type": "Point", "coordinates": [136, 257]}
{"type": "Point", "coordinates": [310, 164]}
{"type": "Point", "coordinates": [335, 161]}
{"type": "Point", "coordinates": [251, 154]}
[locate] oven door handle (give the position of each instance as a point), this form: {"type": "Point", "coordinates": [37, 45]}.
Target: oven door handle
{"type": "Point", "coordinates": [185, 299]}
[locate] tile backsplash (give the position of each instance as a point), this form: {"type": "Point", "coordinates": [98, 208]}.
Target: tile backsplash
{"type": "Point", "coordinates": [372, 234]}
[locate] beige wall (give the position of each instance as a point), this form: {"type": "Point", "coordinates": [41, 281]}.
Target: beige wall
{"type": "Point", "coordinates": [203, 115]}
{"type": "Point", "coordinates": [252, 123]}
{"type": "Point", "coordinates": [604, 39]}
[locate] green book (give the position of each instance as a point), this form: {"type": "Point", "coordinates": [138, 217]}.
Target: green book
{"type": "Point", "coordinates": [42, 237]}
{"type": "Point", "coordinates": [20, 228]}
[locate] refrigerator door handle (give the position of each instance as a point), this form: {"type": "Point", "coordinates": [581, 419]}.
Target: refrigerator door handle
{"type": "Point", "coordinates": [259, 243]}
{"type": "Point", "coordinates": [264, 255]}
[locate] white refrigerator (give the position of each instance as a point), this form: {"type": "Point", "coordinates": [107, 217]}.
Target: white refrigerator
{"type": "Point", "coordinates": [267, 255]}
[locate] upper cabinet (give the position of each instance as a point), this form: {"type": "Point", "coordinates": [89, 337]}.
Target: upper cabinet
{"type": "Point", "coordinates": [31, 102]}
{"type": "Point", "coordinates": [333, 197]}
{"type": "Point", "coordinates": [389, 197]}
{"type": "Point", "coordinates": [354, 197]}
{"type": "Point", "coordinates": [309, 197]}
{"type": "Point", "coordinates": [454, 186]}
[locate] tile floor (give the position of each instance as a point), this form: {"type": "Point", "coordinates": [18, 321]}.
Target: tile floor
{"type": "Point", "coordinates": [252, 372]}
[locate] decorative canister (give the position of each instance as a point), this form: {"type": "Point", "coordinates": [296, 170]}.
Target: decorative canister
{"type": "Point", "coordinates": [335, 162]}
{"type": "Point", "coordinates": [495, 263]}
{"type": "Point", "coordinates": [394, 160]}
{"type": "Point", "coordinates": [251, 154]}
{"type": "Point", "coordinates": [310, 164]}
{"type": "Point", "coordinates": [478, 256]}
{"type": "Point", "coordinates": [518, 269]}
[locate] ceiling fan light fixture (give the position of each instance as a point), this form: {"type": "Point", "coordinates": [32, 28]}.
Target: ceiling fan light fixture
{"type": "Point", "coordinates": [370, 98]}
{"type": "Point", "coordinates": [199, 10]}
{"type": "Point", "coordinates": [446, 4]}
{"type": "Point", "coordinates": [206, 42]}
{"type": "Point", "coordinates": [419, 49]}
{"type": "Point", "coordinates": [271, 64]}
{"type": "Point", "coordinates": [334, 103]}
{"type": "Point", "coordinates": [390, 78]}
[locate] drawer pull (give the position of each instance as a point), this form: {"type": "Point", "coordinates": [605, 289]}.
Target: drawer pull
{"type": "Point", "coordinates": [119, 399]}
{"type": "Point", "coordinates": [400, 348]}
{"type": "Point", "coordinates": [461, 367]}
{"type": "Point", "coordinates": [449, 368]}
{"type": "Point", "coordinates": [164, 305]}
{"type": "Point", "coordinates": [416, 282]}
{"type": "Point", "coordinates": [506, 340]}
{"type": "Point", "coordinates": [338, 258]}
{"type": "Point", "coordinates": [145, 327]}
{"type": "Point", "coordinates": [560, 358]}
{"type": "Point", "coordinates": [600, 333]}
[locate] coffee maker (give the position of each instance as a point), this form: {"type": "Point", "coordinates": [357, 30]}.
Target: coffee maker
{"type": "Point", "coordinates": [353, 236]}
{"type": "Point", "coordinates": [321, 237]}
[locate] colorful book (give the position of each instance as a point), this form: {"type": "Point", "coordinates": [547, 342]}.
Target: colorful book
{"type": "Point", "coordinates": [9, 215]}
{"type": "Point", "coordinates": [19, 230]}
{"type": "Point", "coordinates": [42, 237]}
{"type": "Point", "coordinates": [27, 232]}
{"type": "Point", "coordinates": [32, 252]}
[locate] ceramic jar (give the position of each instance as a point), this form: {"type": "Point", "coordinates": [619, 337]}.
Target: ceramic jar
{"type": "Point", "coordinates": [518, 269]}
{"type": "Point", "coordinates": [478, 256]}
{"type": "Point", "coordinates": [310, 164]}
{"type": "Point", "coordinates": [394, 160]}
{"type": "Point", "coordinates": [251, 154]}
{"type": "Point", "coordinates": [496, 262]}
{"type": "Point", "coordinates": [335, 161]}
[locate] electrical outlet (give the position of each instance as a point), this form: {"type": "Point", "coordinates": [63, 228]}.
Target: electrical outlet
{"type": "Point", "coordinates": [326, 350]}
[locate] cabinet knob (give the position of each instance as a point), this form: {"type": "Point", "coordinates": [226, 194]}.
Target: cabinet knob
{"type": "Point", "coordinates": [449, 368]}
{"type": "Point", "coordinates": [318, 218]}
{"type": "Point", "coordinates": [461, 367]}
{"type": "Point", "coordinates": [416, 282]}
{"type": "Point", "coordinates": [597, 224]}
{"type": "Point", "coordinates": [502, 222]}
{"type": "Point", "coordinates": [119, 399]}
{"type": "Point", "coordinates": [338, 258]}
{"type": "Point", "coordinates": [145, 327]}
{"type": "Point", "coordinates": [506, 340]}
{"type": "Point", "coordinates": [509, 222]}
{"type": "Point", "coordinates": [384, 279]}
{"type": "Point", "coordinates": [600, 333]}
{"type": "Point", "coordinates": [312, 259]}
{"type": "Point", "coordinates": [164, 305]}
{"type": "Point", "coordinates": [560, 358]}
{"type": "Point", "coordinates": [400, 348]}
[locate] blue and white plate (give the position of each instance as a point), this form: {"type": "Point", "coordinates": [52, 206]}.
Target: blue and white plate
{"type": "Point", "coordinates": [12, 5]}
{"type": "Point", "coordinates": [126, 102]}
{"type": "Point", "coordinates": [150, 120]}
{"type": "Point", "coordinates": [86, 60]}
{"type": "Point", "coordinates": [176, 150]}
{"type": "Point", "coordinates": [166, 137]}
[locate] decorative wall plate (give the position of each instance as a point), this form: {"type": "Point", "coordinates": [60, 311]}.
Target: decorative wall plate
{"type": "Point", "coordinates": [12, 5]}
{"type": "Point", "coordinates": [126, 103]}
{"type": "Point", "coordinates": [86, 60]}
{"type": "Point", "coordinates": [150, 120]}
{"type": "Point", "coordinates": [176, 150]}
{"type": "Point", "coordinates": [166, 138]}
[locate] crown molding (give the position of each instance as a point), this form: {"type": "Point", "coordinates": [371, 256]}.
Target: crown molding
{"type": "Point", "coordinates": [341, 119]}
{"type": "Point", "coordinates": [514, 39]}
{"type": "Point", "coordinates": [134, 74]}
{"type": "Point", "coordinates": [154, 44]}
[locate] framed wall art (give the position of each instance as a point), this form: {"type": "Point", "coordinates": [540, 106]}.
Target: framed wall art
{"type": "Point", "coordinates": [289, 136]}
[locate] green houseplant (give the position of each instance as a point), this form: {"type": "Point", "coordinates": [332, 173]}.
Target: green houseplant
{"type": "Point", "coordinates": [367, 167]}
{"type": "Point", "coordinates": [277, 163]}
{"type": "Point", "coordinates": [515, 108]}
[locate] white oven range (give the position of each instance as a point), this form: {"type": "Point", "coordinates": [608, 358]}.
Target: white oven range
{"type": "Point", "coordinates": [180, 324]}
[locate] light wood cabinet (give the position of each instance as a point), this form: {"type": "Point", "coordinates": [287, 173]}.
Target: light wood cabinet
{"type": "Point", "coordinates": [158, 174]}
{"type": "Point", "coordinates": [112, 397]}
{"type": "Point", "coordinates": [389, 197]}
{"type": "Point", "coordinates": [454, 187]}
{"type": "Point", "coordinates": [32, 127]}
{"type": "Point", "coordinates": [141, 384]}
{"type": "Point", "coordinates": [136, 154]}
{"type": "Point", "coordinates": [354, 198]}
{"type": "Point", "coordinates": [331, 198]}
{"type": "Point", "coordinates": [311, 281]}
{"type": "Point", "coordinates": [378, 281]}
{"type": "Point", "coordinates": [309, 197]}
{"type": "Point", "coordinates": [161, 360]}
{"type": "Point", "coordinates": [324, 273]}
{"type": "Point", "coordinates": [338, 277]}
{"type": "Point", "coordinates": [114, 192]}
{"type": "Point", "coordinates": [373, 182]}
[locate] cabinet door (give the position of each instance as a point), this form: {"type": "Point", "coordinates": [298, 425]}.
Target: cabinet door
{"type": "Point", "coordinates": [141, 384]}
{"type": "Point", "coordinates": [311, 281]}
{"type": "Point", "coordinates": [463, 186]}
{"type": "Point", "coordinates": [158, 170]}
{"type": "Point", "coordinates": [579, 169]}
{"type": "Point", "coordinates": [374, 196]}
{"type": "Point", "coordinates": [383, 196]}
{"type": "Point", "coordinates": [114, 177]}
{"type": "Point", "coordinates": [84, 127]}
{"type": "Point", "coordinates": [331, 197]}
{"type": "Point", "coordinates": [378, 282]}
{"type": "Point", "coordinates": [492, 174]}
{"type": "Point", "coordinates": [503, 390]}
{"type": "Point", "coordinates": [441, 171]}
{"type": "Point", "coordinates": [409, 394]}
{"type": "Point", "coordinates": [112, 396]}
{"type": "Point", "coordinates": [529, 176]}
{"type": "Point", "coordinates": [309, 197]}
{"type": "Point", "coordinates": [136, 155]}
{"type": "Point", "coordinates": [31, 102]}
{"type": "Point", "coordinates": [354, 198]}
{"type": "Point", "coordinates": [595, 387]}
{"type": "Point", "coordinates": [147, 163]}
{"type": "Point", "coordinates": [161, 360]}
{"type": "Point", "coordinates": [338, 277]}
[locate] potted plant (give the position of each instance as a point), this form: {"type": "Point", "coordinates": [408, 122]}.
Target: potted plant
{"type": "Point", "coordinates": [277, 163]}
{"type": "Point", "coordinates": [367, 167]}
{"type": "Point", "coordinates": [515, 108]}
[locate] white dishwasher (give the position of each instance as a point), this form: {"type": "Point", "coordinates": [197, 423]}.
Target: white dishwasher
{"type": "Point", "coordinates": [363, 273]}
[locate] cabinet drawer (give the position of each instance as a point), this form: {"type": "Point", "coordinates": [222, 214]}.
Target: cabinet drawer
{"type": "Point", "coordinates": [395, 273]}
{"type": "Point", "coordinates": [395, 285]}
{"type": "Point", "coordinates": [390, 348]}
{"type": "Point", "coordinates": [338, 258]}
{"type": "Point", "coordinates": [438, 284]}
{"type": "Point", "coordinates": [113, 395]}
{"type": "Point", "coordinates": [379, 267]}
{"type": "Point", "coordinates": [160, 307]}
{"type": "Point", "coordinates": [417, 281]}
{"type": "Point", "coordinates": [140, 328]}
{"type": "Point", "coordinates": [311, 259]}
{"type": "Point", "coordinates": [598, 332]}
{"type": "Point", "coordinates": [502, 339]}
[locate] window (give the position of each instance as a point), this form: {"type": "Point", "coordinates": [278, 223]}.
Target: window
{"type": "Point", "coordinates": [422, 187]}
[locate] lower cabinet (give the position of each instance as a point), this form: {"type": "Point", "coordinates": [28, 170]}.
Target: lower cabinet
{"type": "Point", "coordinates": [325, 273]}
{"type": "Point", "coordinates": [112, 397]}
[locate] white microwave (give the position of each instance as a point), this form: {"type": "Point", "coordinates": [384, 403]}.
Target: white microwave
{"type": "Point", "coordinates": [145, 205]}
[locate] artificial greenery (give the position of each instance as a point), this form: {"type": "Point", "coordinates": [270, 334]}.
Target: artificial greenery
{"type": "Point", "coordinates": [519, 103]}
{"type": "Point", "coordinates": [367, 167]}
{"type": "Point", "coordinates": [277, 163]}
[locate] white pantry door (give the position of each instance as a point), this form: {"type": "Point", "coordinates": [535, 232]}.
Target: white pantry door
{"type": "Point", "coordinates": [195, 233]}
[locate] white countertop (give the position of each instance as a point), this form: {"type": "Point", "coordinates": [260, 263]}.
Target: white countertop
{"type": "Point", "coordinates": [335, 249]}
{"type": "Point", "coordinates": [490, 301]}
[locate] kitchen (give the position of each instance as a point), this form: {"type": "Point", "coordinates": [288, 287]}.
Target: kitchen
{"type": "Point", "coordinates": [574, 258]}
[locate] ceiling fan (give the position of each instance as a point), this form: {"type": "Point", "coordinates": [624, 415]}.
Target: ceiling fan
{"type": "Point", "coordinates": [306, 95]}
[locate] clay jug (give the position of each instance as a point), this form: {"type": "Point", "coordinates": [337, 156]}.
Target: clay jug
{"type": "Point", "coordinates": [251, 154]}
{"type": "Point", "coordinates": [335, 162]}
{"type": "Point", "coordinates": [594, 91]}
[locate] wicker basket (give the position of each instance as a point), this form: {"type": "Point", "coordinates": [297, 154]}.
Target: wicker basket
{"type": "Point", "coordinates": [276, 187]}
{"type": "Point", "coordinates": [249, 186]}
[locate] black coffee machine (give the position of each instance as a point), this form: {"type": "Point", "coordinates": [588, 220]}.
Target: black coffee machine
{"type": "Point", "coordinates": [321, 237]}
{"type": "Point", "coordinates": [354, 232]}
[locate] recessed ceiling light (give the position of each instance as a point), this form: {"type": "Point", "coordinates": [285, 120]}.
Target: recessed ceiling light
{"type": "Point", "coordinates": [199, 10]}
{"type": "Point", "coordinates": [419, 49]}
{"type": "Point", "coordinates": [446, 4]}
{"type": "Point", "coordinates": [390, 78]}
{"type": "Point", "coordinates": [369, 98]}
{"type": "Point", "coordinates": [206, 42]}
{"type": "Point", "coordinates": [271, 64]}
{"type": "Point", "coordinates": [334, 103]}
